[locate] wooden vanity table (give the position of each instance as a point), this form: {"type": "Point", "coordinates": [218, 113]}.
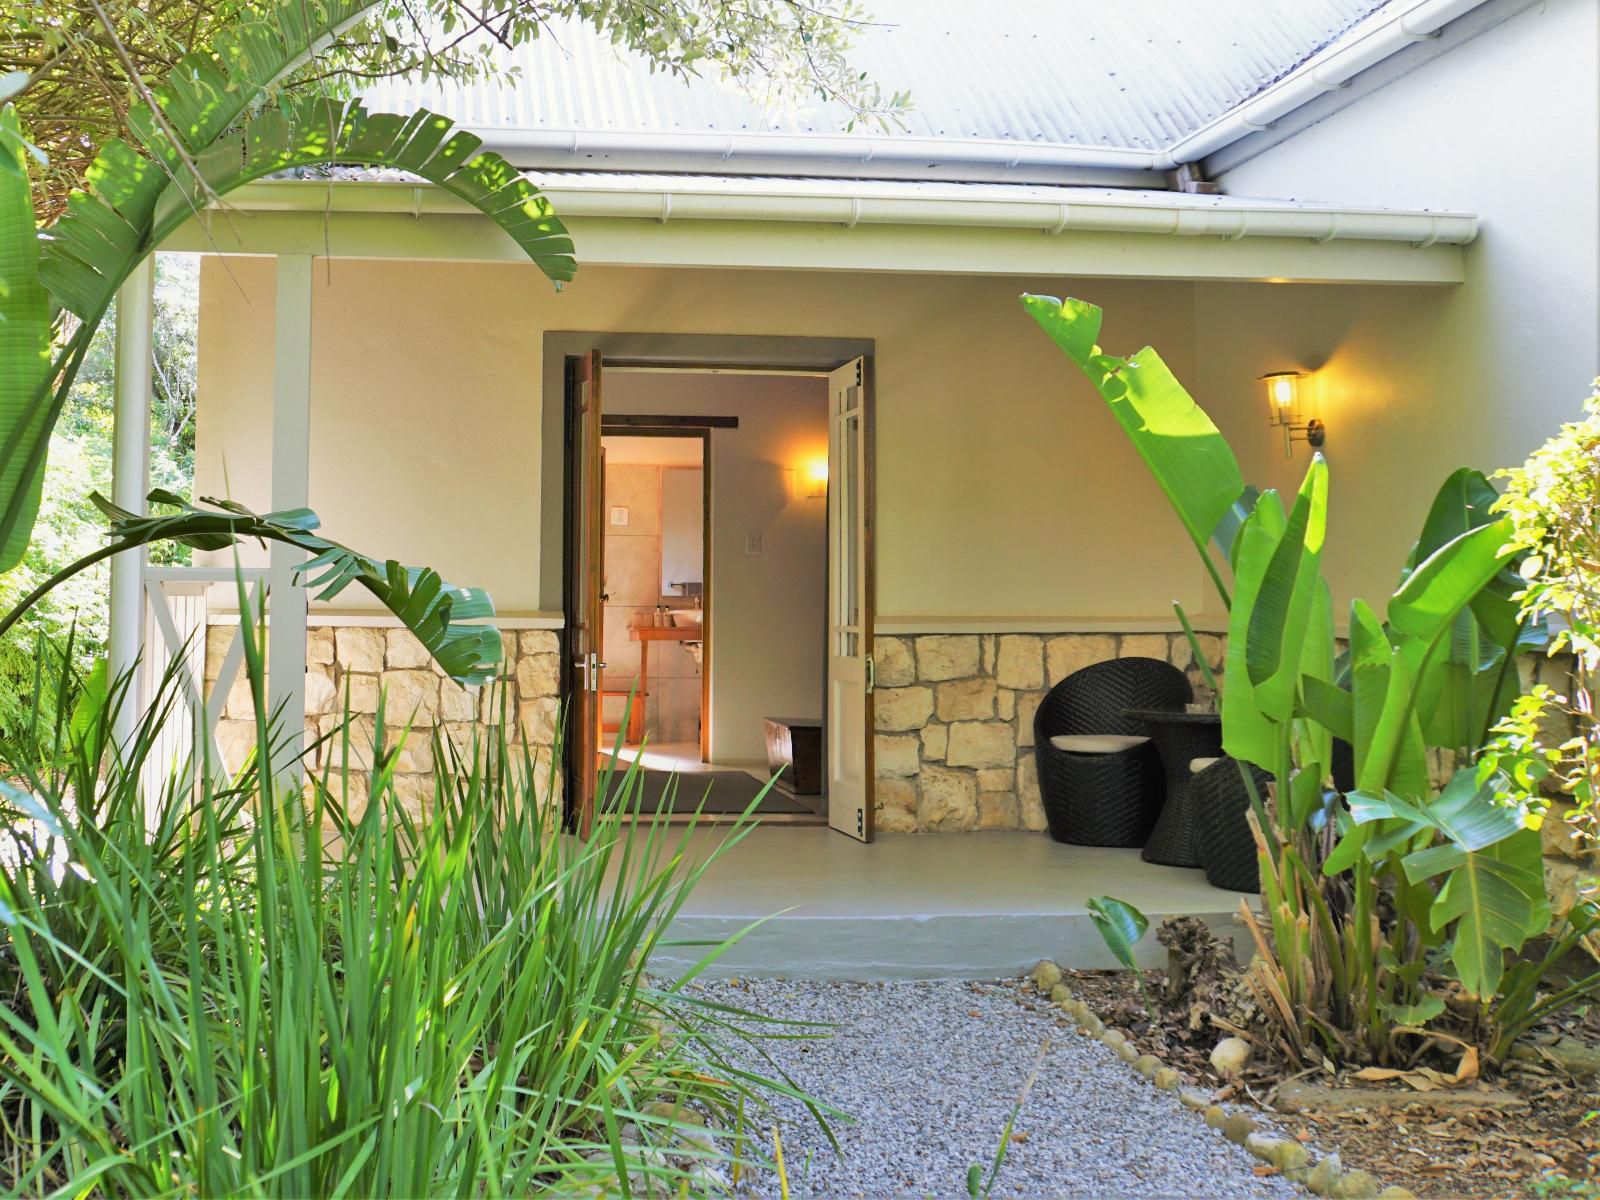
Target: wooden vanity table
{"type": "Point", "coordinates": [674, 633]}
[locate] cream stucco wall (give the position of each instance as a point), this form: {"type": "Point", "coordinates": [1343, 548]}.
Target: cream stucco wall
{"type": "Point", "coordinates": [1414, 383]}
{"type": "Point", "coordinates": [1004, 489]}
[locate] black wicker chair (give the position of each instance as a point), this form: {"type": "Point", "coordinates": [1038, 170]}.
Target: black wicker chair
{"type": "Point", "coordinates": [1227, 848]}
{"type": "Point", "coordinates": [1110, 796]}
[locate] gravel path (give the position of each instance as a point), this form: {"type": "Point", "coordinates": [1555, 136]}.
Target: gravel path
{"type": "Point", "coordinates": [930, 1071]}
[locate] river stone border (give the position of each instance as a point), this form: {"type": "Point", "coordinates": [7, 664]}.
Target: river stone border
{"type": "Point", "coordinates": [1327, 1176]}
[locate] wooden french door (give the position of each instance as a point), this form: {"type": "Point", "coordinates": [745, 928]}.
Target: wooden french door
{"type": "Point", "coordinates": [585, 590]}
{"type": "Point", "coordinates": [848, 736]}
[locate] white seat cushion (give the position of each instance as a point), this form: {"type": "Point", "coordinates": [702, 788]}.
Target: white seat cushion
{"type": "Point", "coordinates": [1196, 765]}
{"type": "Point", "coordinates": [1096, 743]}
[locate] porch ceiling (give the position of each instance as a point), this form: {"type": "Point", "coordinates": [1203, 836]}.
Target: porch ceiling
{"type": "Point", "coordinates": [857, 225]}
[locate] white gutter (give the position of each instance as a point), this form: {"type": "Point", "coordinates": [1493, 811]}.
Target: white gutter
{"type": "Point", "coordinates": [971, 159]}
{"type": "Point", "coordinates": [1387, 32]}
{"type": "Point", "coordinates": [1153, 213]}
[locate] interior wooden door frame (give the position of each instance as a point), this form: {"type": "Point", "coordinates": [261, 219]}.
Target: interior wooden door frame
{"type": "Point", "coordinates": [749, 353]}
{"type": "Point", "coordinates": [687, 427]}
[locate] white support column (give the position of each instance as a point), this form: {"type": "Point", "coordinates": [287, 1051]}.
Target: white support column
{"type": "Point", "coordinates": [291, 486]}
{"type": "Point", "coordinates": [130, 483]}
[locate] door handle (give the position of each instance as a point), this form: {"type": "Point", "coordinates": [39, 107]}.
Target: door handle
{"type": "Point", "coordinates": [872, 675]}
{"type": "Point", "coordinates": [589, 668]}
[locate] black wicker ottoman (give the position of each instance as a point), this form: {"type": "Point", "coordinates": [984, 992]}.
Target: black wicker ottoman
{"type": "Point", "coordinates": [1227, 847]}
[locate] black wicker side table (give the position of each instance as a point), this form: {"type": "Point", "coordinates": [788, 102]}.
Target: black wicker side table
{"type": "Point", "coordinates": [1179, 738]}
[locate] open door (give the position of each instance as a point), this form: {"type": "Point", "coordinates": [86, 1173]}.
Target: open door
{"type": "Point", "coordinates": [848, 736]}
{"type": "Point", "coordinates": [585, 598]}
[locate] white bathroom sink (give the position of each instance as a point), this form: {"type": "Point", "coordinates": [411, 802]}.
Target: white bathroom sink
{"type": "Point", "coordinates": [687, 618]}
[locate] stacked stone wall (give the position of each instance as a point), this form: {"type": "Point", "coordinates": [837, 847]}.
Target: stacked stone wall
{"type": "Point", "coordinates": [954, 716]}
{"type": "Point", "coordinates": [352, 664]}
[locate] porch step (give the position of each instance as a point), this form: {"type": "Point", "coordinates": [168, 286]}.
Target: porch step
{"type": "Point", "coordinates": [923, 906]}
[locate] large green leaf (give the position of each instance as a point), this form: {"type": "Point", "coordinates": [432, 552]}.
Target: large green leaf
{"type": "Point", "coordinates": [443, 617]}
{"type": "Point", "coordinates": [1289, 590]}
{"type": "Point", "coordinates": [1496, 900]}
{"type": "Point", "coordinates": [1226, 535]}
{"type": "Point", "coordinates": [1445, 582]}
{"type": "Point", "coordinates": [1248, 733]}
{"type": "Point", "coordinates": [1189, 458]}
{"type": "Point", "coordinates": [1390, 754]}
{"type": "Point", "coordinates": [1466, 502]}
{"type": "Point", "coordinates": [1493, 887]}
{"type": "Point", "coordinates": [1329, 706]}
{"type": "Point", "coordinates": [315, 130]}
{"type": "Point", "coordinates": [24, 342]}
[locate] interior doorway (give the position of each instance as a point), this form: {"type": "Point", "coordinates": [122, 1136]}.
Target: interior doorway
{"type": "Point", "coordinates": [775, 633]}
{"type": "Point", "coordinates": [715, 582]}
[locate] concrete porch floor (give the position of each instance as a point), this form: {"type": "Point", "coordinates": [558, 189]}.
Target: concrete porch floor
{"type": "Point", "coordinates": [923, 906]}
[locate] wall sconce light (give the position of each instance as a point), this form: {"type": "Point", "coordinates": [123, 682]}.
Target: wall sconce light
{"type": "Point", "coordinates": [816, 477]}
{"type": "Point", "coordinates": [1283, 410]}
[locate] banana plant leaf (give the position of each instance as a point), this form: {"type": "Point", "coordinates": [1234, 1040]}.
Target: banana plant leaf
{"type": "Point", "coordinates": [1279, 618]}
{"type": "Point", "coordinates": [1448, 580]}
{"type": "Point", "coordinates": [1226, 535]}
{"type": "Point", "coordinates": [1421, 612]}
{"type": "Point", "coordinates": [1493, 889]}
{"type": "Point", "coordinates": [24, 333]}
{"type": "Point", "coordinates": [213, 116]}
{"type": "Point", "coordinates": [1186, 453]}
{"type": "Point", "coordinates": [1248, 733]}
{"type": "Point", "coordinates": [1379, 693]}
{"type": "Point", "coordinates": [445, 618]}
{"type": "Point", "coordinates": [1465, 502]}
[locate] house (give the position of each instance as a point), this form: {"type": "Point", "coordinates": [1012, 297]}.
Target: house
{"type": "Point", "coordinates": [1397, 200]}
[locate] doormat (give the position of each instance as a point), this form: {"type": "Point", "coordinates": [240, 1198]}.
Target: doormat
{"type": "Point", "coordinates": [723, 792]}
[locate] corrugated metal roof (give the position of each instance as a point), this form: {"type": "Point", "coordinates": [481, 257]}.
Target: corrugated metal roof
{"type": "Point", "coordinates": [1121, 74]}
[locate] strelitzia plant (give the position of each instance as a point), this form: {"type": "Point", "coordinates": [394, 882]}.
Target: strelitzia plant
{"type": "Point", "coordinates": [1416, 874]}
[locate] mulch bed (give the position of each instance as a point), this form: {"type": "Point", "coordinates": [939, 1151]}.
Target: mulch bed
{"type": "Point", "coordinates": [1543, 1149]}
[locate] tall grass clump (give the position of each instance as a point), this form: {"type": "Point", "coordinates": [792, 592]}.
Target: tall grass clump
{"type": "Point", "coordinates": [249, 985]}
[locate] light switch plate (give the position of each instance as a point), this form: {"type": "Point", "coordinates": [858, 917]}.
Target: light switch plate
{"type": "Point", "coordinates": [752, 542]}
{"type": "Point", "coordinates": [619, 514]}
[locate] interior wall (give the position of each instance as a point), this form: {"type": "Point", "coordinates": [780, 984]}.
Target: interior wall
{"type": "Point", "coordinates": [426, 442]}
{"type": "Point", "coordinates": [1414, 383]}
{"type": "Point", "coordinates": [767, 608]}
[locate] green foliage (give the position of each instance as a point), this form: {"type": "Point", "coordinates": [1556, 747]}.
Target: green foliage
{"type": "Point", "coordinates": [226, 988]}
{"type": "Point", "coordinates": [1415, 870]}
{"type": "Point", "coordinates": [1553, 502]}
{"type": "Point", "coordinates": [199, 133]}
{"type": "Point", "coordinates": [69, 524]}
{"type": "Point", "coordinates": [73, 55]}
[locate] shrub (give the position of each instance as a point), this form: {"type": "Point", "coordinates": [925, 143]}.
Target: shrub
{"type": "Point", "coordinates": [1551, 739]}
{"type": "Point", "coordinates": [240, 987]}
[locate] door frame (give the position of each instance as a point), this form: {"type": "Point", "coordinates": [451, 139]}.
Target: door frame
{"type": "Point", "coordinates": [699, 430]}
{"type": "Point", "coordinates": [749, 353]}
